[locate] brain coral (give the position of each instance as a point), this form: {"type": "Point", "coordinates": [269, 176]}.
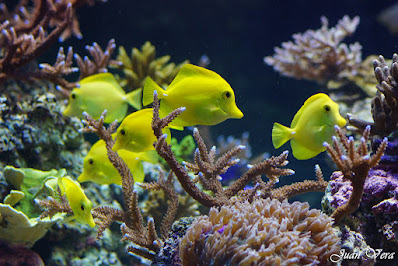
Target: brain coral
{"type": "Point", "coordinates": [264, 232]}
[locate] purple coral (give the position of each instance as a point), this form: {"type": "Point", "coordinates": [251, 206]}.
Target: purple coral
{"type": "Point", "coordinates": [389, 161]}
{"type": "Point", "coordinates": [380, 191]}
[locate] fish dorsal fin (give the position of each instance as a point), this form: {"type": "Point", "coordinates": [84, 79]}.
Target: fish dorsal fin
{"type": "Point", "coordinates": [189, 70]}
{"type": "Point", "coordinates": [305, 105]}
{"type": "Point", "coordinates": [103, 77]}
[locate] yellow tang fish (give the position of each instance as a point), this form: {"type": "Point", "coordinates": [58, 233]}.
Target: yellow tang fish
{"type": "Point", "coordinates": [311, 127]}
{"type": "Point", "coordinates": [97, 167]}
{"type": "Point", "coordinates": [78, 201]}
{"type": "Point", "coordinates": [208, 98]}
{"type": "Point", "coordinates": [135, 132]}
{"type": "Point", "coordinates": [99, 92]}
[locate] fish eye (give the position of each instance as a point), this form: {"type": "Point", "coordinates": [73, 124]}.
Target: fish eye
{"type": "Point", "coordinates": [123, 132]}
{"type": "Point", "coordinates": [73, 96]}
{"type": "Point", "coordinates": [82, 207]}
{"type": "Point", "coordinates": [91, 161]}
{"type": "Point", "coordinates": [226, 95]}
{"type": "Point", "coordinates": [327, 108]}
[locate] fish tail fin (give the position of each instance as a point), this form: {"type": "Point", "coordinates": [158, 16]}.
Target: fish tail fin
{"type": "Point", "coordinates": [134, 98]}
{"type": "Point", "coordinates": [149, 87]}
{"type": "Point", "coordinates": [280, 135]}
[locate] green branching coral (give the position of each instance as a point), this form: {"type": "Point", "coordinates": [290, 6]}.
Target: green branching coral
{"type": "Point", "coordinates": [143, 63]}
{"type": "Point", "coordinates": [264, 232]}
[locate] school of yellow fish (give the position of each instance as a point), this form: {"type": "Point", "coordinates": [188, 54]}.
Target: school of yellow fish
{"type": "Point", "coordinates": [208, 99]}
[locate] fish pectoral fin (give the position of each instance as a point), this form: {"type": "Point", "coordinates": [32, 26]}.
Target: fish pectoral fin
{"type": "Point", "coordinates": [138, 172]}
{"type": "Point", "coordinates": [301, 152]}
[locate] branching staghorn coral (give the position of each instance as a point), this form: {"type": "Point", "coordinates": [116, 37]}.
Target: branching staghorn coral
{"type": "Point", "coordinates": [100, 59]}
{"type": "Point", "coordinates": [142, 64]}
{"type": "Point", "coordinates": [132, 227]}
{"type": "Point", "coordinates": [86, 66]}
{"type": "Point", "coordinates": [20, 47]}
{"type": "Point", "coordinates": [208, 169]}
{"type": "Point", "coordinates": [297, 188]}
{"type": "Point", "coordinates": [154, 205]}
{"type": "Point", "coordinates": [263, 232]}
{"type": "Point", "coordinates": [355, 164]}
{"type": "Point", "coordinates": [24, 37]}
{"type": "Point", "coordinates": [319, 54]}
{"type": "Point", "coordinates": [55, 205]}
{"type": "Point", "coordinates": [385, 103]}
{"type": "Point", "coordinates": [25, 16]}
{"type": "Point", "coordinates": [167, 186]}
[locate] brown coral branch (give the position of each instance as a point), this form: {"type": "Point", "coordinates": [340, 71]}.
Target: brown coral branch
{"type": "Point", "coordinates": [207, 171]}
{"type": "Point", "coordinates": [172, 207]}
{"type": "Point", "coordinates": [100, 59]}
{"type": "Point", "coordinates": [355, 165]}
{"type": "Point", "coordinates": [98, 128]}
{"type": "Point", "coordinates": [53, 206]}
{"type": "Point", "coordinates": [21, 49]}
{"type": "Point", "coordinates": [104, 216]}
{"type": "Point", "coordinates": [298, 188]}
{"type": "Point", "coordinates": [25, 35]}
{"type": "Point", "coordinates": [268, 167]}
{"type": "Point", "coordinates": [133, 228]}
{"type": "Point", "coordinates": [167, 154]}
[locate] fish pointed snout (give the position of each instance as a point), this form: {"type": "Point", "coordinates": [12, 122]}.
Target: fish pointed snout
{"type": "Point", "coordinates": [236, 113]}
{"type": "Point", "coordinates": [341, 122]}
{"type": "Point", "coordinates": [90, 220]}
{"type": "Point", "coordinates": [117, 146]}
{"type": "Point", "coordinates": [67, 111]}
{"type": "Point", "coordinates": [82, 177]}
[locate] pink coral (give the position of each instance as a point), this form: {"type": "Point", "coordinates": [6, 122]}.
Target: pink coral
{"type": "Point", "coordinates": [264, 232]}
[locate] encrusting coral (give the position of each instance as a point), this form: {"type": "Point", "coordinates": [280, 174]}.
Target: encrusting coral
{"type": "Point", "coordinates": [264, 232]}
{"type": "Point", "coordinates": [34, 134]}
